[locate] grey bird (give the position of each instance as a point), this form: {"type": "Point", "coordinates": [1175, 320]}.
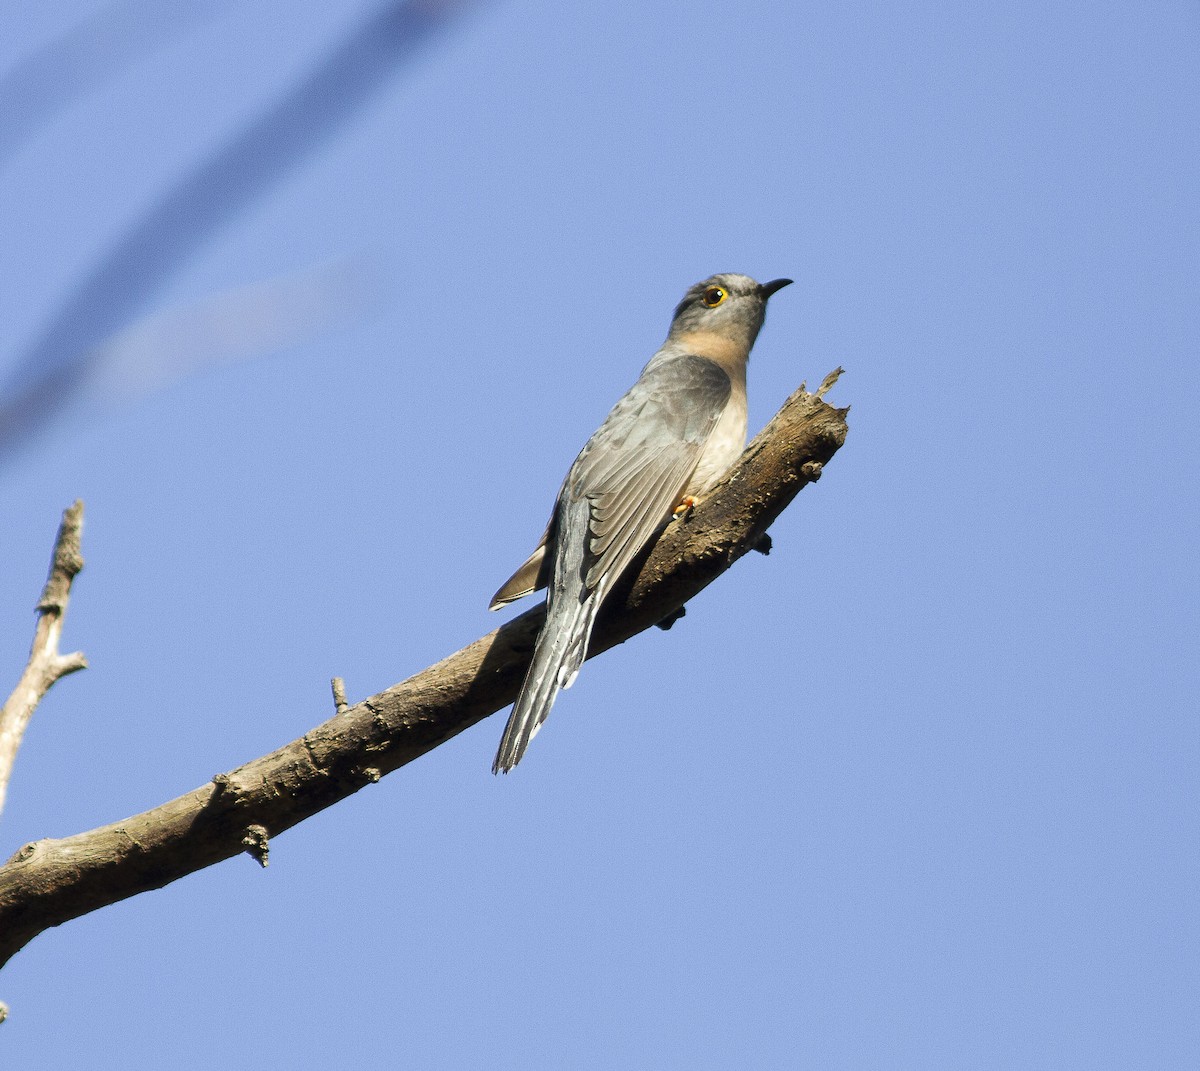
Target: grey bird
{"type": "Point", "coordinates": [667, 442]}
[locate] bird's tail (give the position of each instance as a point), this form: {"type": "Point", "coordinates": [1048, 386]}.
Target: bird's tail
{"type": "Point", "coordinates": [559, 652]}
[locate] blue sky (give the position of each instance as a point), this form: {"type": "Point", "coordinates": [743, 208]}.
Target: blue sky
{"type": "Point", "coordinates": [917, 790]}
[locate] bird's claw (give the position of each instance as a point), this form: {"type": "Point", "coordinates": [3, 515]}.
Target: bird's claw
{"type": "Point", "coordinates": [686, 505]}
{"type": "Point", "coordinates": [666, 623]}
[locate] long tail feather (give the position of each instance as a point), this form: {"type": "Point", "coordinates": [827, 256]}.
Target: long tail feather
{"type": "Point", "coordinates": [556, 657]}
{"type": "Point", "coordinates": [562, 643]}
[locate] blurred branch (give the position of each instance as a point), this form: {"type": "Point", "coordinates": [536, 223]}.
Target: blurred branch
{"type": "Point", "coordinates": [79, 60]}
{"type": "Point", "coordinates": [45, 664]}
{"type": "Point", "coordinates": [49, 882]}
{"type": "Point", "coordinates": [265, 151]}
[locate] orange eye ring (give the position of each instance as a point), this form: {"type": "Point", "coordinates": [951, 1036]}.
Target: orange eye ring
{"type": "Point", "coordinates": [713, 296]}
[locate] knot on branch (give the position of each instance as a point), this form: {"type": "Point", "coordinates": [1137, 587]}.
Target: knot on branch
{"type": "Point", "coordinates": [256, 844]}
{"type": "Point", "coordinates": [230, 793]}
{"type": "Point", "coordinates": [666, 623]}
{"type": "Point", "coordinates": [24, 853]}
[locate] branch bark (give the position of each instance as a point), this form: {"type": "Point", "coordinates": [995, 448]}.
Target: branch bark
{"type": "Point", "coordinates": [45, 665]}
{"type": "Point", "coordinates": [49, 881]}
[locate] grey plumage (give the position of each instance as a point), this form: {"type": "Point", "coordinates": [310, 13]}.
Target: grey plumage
{"type": "Point", "coordinates": [673, 435]}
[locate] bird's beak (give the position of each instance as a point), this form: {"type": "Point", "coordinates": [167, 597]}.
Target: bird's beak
{"type": "Point", "coordinates": [773, 287]}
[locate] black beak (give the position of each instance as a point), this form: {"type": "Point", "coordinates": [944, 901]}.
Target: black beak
{"type": "Point", "coordinates": [773, 287]}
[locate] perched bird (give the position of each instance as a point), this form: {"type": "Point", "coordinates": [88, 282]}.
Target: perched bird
{"type": "Point", "coordinates": [668, 441]}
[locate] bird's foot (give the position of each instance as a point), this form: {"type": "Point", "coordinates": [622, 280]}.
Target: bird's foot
{"type": "Point", "coordinates": [666, 623]}
{"type": "Point", "coordinates": [686, 505]}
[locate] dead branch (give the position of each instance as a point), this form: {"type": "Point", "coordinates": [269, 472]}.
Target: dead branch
{"type": "Point", "coordinates": [45, 665]}
{"type": "Point", "coordinates": [49, 881]}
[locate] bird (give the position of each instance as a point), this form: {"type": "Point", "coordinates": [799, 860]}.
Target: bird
{"type": "Point", "coordinates": [666, 443]}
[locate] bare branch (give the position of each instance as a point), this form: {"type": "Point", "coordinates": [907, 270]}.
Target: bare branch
{"type": "Point", "coordinates": [51, 881]}
{"type": "Point", "coordinates": [45, 665]}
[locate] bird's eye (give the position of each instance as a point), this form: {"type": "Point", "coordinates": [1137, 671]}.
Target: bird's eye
{"type": "Point", "coordinates": [713, 296]}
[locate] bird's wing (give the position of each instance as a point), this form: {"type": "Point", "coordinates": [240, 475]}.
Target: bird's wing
{"type": "Point", "coordinates": [634, 468]}
{"type": "Point", "coordinates": [533, 575]}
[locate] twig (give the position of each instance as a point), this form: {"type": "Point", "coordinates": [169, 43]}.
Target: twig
{"type": "Point", "coordinates": [51, 881]}
{"type": "Point", "coordinates": [338, 686]}
{"type": "Point", "coordinates": [45, 664]}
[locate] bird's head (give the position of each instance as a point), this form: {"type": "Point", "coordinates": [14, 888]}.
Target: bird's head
{"type": "Point", "coordinates": [725, 309]}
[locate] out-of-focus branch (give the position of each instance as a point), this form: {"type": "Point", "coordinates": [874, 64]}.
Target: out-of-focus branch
{"type": "Point", "coordinates": [100, 47]}
{"type": "Point", "coordinates": [51, 881]}
{"type": "Point", "coordinates": [45, 664]}
{"type": "Point", "coordinates": [265, 151]}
